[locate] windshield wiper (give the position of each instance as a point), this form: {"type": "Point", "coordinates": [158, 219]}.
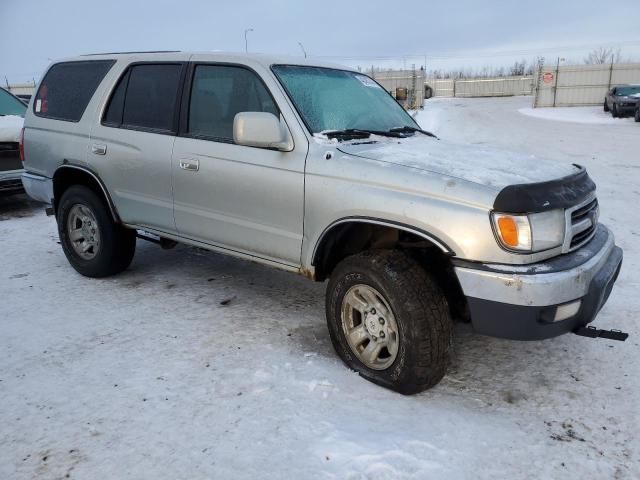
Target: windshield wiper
{"type": "Point", "coordinates": [353, 133]}
{"type": "Point", "coordinates": [409, 129]}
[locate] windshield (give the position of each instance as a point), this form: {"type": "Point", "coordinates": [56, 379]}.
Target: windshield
{"type": "Point", "coordinates": [10, 105]}
{"type": "Point", "coordinates": [330, 99]}
{"type": "Point", "coordinates": [626, 91]}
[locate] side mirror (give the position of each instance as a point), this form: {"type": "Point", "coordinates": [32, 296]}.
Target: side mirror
{"type": "Point", "coordinates": [260, 129]}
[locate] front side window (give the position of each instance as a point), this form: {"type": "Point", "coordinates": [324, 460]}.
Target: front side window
{"type": "Point", "coordinates": [329, 100]}
{"type": "Point", "coordinates": [67, 88]}
{"type": "Point", "coordinates": [10, 105]}
{"type": "Point", "coordinates": [218, 93]}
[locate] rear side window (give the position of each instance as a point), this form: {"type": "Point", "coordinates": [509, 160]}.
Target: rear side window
{"type": "Point", "coordinates": [218, 93]}
{"type": "Point", "coordinates": [145, 98]}
{"type": "Point", "coordinates": [113, 115]}
{"type": "Point", "coordinates": [67, 88]}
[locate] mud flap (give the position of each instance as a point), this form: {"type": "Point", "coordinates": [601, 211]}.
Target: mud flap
{"type": "Point", "coordinates": [593, 332]}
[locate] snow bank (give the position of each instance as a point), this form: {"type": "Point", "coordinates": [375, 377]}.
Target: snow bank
{"type": "Point", "coordinates": [10, 127]}
{"type": "Point", "coordinates": [591, 115]}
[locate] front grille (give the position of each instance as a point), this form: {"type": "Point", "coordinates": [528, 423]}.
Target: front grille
{"type": "Point", "coordinates": [583, 224]}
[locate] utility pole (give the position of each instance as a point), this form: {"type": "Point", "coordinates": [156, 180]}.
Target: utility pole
{"type": "Point", "coordinates": [303, 50]}
{"type": "Point", "coordinates": [246, 45]}
{"type": "Point", "coordinates": [412, 92]}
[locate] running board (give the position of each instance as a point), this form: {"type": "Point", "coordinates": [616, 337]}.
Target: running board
{"type": "Point", "coordinates": [593, 332]}
{"type": "Point", "coordinates": [164, 243]}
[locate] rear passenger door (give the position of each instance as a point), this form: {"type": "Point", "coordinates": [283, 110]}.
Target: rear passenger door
{"type": "Point", "coordinates": [245, 199]}
{"type": "Point", "coordinates": [131, 144]}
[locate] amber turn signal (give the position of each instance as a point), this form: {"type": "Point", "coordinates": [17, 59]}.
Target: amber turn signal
{"type": "Point", "coordinates": [513, 231]}
{"type": "Point", "coordinates": [508, 231]}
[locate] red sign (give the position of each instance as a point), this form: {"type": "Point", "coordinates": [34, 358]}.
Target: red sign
{"type": "Point", "coordinates": [547, 77]}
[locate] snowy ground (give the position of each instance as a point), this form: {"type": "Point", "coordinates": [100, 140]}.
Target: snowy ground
{"type": "Point", "coordinates": [147, 375]}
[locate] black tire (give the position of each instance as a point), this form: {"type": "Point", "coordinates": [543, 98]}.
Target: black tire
{"type": "Point", "coordinates": [614, 111]}
{"type": "Point", "coordinates": [420, 309]}
{"type": "Point", "coordinates": [117, 244]}
{"type": "Point", "coordinates": [606, 107]}
{"type": "Point", "coordinates": [637, 115]}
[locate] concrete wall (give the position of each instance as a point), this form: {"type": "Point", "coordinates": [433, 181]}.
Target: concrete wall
{"type": "Point", "coordinates": [573, 85]}
{"type": "Point", "coordinates": [481, 87]}
{"type": "Point", "coordinates": [21, 89]}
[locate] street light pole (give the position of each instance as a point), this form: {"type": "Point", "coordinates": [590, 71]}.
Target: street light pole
{"type": "Point", "coordinates": [303, 50]}
{"type": "Point", "coordinates": [246, 46]}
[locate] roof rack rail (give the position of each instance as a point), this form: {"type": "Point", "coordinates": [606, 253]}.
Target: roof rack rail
{"type": "Point", "coordinates": [126, 53]}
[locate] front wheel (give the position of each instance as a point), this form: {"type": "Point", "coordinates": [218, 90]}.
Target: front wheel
{"type": "Point", "coordinates": [614, 111]}
{"type": "Point", "coordinates": [637, 115]}
{"type": "Point", "coordinates": [389, 320]}
{"type": "Point", "coordinates": [606, 107]}
{"type": "Point", "coordinates": [93, 243]}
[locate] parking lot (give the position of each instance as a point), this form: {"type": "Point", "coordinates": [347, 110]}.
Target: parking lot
{"type": "Point", "coordinates": [195, 365]}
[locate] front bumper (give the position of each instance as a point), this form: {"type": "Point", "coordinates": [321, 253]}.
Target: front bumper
{"type": "Point", "coordinates": [626, 108]}
{"type": "Point", "coordinates": [522, 302]}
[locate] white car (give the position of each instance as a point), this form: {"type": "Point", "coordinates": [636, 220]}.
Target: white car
{"type": "Point", "coordinates": [12, 111]}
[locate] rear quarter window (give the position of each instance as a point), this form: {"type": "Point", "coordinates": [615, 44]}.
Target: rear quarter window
{"type": "Point", "coordinates": [67, 88]}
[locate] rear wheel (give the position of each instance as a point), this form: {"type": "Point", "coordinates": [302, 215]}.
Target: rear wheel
{"type": "Point", "coordinates": [93, 243]}
{"type": "Point", "coordinates": [389, 320]}
{"type": "Point", "coordinates": [606, 107]}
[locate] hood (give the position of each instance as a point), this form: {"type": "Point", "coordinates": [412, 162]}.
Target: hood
{"type": "Point", "coordinates": [10, 128]}
{"type": "Point", "coordinates": [493, 168]}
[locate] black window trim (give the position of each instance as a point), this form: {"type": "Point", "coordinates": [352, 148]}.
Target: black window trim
{"type": "Point", "coordinates": [186, 101]}
{"type": "Point", "coordinates": [290, 97]}
{"type": "Point", "coordinates": [51, 117]}
{"type": "Point", "coordinates": [176, 109]}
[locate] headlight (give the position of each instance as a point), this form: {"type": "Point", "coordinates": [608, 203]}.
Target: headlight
{"type": "Point", "coordinates": [529, 233]}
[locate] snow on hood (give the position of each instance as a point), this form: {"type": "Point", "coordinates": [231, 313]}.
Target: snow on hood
{"type": "Point", "coordinates": [486, 166]}
{"type": "Point", "coordinates": [10, 128]}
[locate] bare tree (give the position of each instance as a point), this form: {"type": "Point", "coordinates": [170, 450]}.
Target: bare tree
{"type": "Point", "coordinates": [518, 68]}
{"type": "Point", "coordinates": [601, 55]}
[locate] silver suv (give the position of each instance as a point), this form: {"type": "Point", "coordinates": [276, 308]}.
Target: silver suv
{"type": "Point", "coordinates": [317, 170]}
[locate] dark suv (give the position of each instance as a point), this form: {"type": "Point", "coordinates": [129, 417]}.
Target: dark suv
{"type": "Point", "coordinates": [622, 100]}
{"type": "Point", "coordinates": [12, 111]}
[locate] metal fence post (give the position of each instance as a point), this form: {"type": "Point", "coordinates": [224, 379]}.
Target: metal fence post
{"type": "Point", "coordinates": [555, 88]}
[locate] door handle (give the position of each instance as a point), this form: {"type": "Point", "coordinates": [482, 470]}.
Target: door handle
{"type": "Point", "coordinates": [190, 164]}
{"type": "Point", "coordinates": [98, 149]}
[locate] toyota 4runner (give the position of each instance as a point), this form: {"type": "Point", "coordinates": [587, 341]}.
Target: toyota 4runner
{"type": "Point", "coordinates": [317, 170]}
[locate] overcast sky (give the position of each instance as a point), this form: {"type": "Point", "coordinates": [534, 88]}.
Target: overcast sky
{"type": "Point", "coordinates": [468, 33]}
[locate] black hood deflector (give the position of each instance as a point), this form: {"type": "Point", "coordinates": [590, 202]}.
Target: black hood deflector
{"type": "Point", "coordinates": [541, 197]}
